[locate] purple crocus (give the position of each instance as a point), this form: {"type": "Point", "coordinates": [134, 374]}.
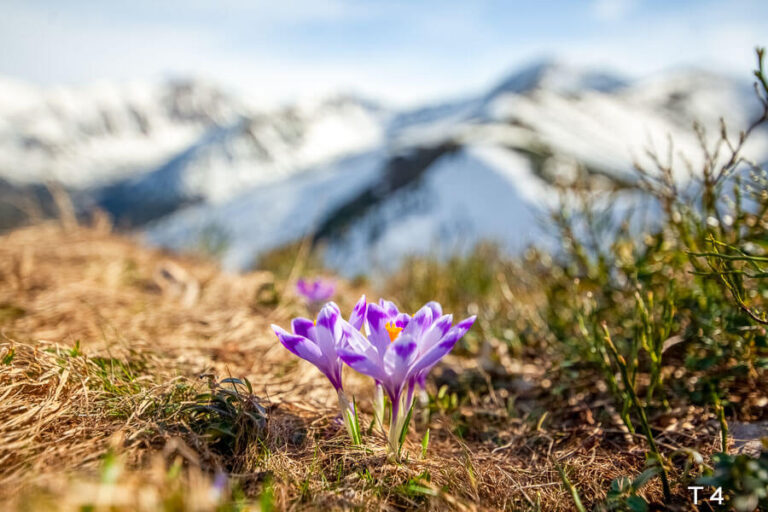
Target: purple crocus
{"type": "Point", "coordinates": [319, 342]}
{"type": "Point", "coordinates": [399, 351]}
{"type": "Point", "coordinates": [315, 292]}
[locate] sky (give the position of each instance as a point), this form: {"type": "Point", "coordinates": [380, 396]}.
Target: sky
{"type": "Point", "coordinates": [398, 52]}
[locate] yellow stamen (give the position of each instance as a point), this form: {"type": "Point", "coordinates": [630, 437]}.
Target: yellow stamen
{"type": "Point", "coordinates": [393, 331]}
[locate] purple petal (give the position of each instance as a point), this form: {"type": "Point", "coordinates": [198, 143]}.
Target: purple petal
{"type": "Point", "coordinates": [303, 327]}
{"type": "Point", "coordinates": [402, 320]}
{"type": "Point", "coordinates": [437, 309]}
{"type": "Point", "coordinates": [463, 326]}
{"type": "Point", "coordinates": [333, 306]}
{"type": "Point", "coordinates": [357, 317]}
{"type": "Point", "coordinates": [389, 307]}
{"type": "Point", "coordinates": [377, 319]}
{"type": "Point", "coordinates": [429, 358]}
{"type": "Point", "coordinates": [397, 360]}
{"type": "Point", "coordinates": [435, 354]}
{"type": "Point", "coordinates": [324, 290]}
{"type": "Point", "coordinates": [315, 291]}
{"type": "Point", "coordinates": [420, 321]}
{"type": "Point", "coordinates": [328, 332]}
{"type": "Point", "coordinates": [302, 347]}
{"type": "Point", "coordinates": [362, 364]}
{"type": "Point", "coordinates": [435, 332]}
{"type": "Point", "coordinates": [355, 341]}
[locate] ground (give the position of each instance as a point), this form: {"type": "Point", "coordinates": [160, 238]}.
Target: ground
{"type": "Point", "coordinates": [112, 358]}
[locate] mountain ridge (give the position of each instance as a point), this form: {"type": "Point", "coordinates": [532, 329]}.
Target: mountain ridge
{"type": "Point", "coordinates": [218, 160]}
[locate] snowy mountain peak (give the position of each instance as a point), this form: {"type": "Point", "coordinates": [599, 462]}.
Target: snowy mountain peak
{"type": "Point", "coordinates": [556, 76]}
{"type": "Point", "coordinates": [196, 100]}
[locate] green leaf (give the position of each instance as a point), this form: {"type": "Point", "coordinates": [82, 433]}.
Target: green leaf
{"type": "Point", "coordinates": [620, 484]}
{"type": "Point", "coordinates": [415, 488]}
{"type": "Point", "coordinates": [644, 477]}
{"type": "Point", "coordinates": [404, 432]}
{"type": "Point", "coordinates": [637, 504]}
{"type": "Point", "coordinates": [8, 358]}
{"type": "Point", "coordinates": [267, 498]}
{"type": "Point", "coordinates": [220, 430]}
{"type": "Point", "coordinates": [353, 424]}
{"type": "Point", "coordinates": [356, 423]}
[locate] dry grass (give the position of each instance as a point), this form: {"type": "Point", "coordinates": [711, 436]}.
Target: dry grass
{"type": "Point", "coordinates": [103, 347]}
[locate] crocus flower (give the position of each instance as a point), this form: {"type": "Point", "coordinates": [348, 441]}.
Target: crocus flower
{"type": "Point", "coordinates": [218, 487]}
{"type": "Point", "coordinates": [315, 292]}
{"type": "Point", "coordinates": [399, 351]}
{"type": "Point", "coordinates": [319, 342]}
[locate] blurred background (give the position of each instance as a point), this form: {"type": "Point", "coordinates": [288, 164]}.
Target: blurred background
{"type": "Point", "coordinates": [374, 129]}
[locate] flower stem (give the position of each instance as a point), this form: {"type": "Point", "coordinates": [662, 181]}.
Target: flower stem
{"type": "Point", "coordinates": [378, 406]}
{"type": "Point", "coordinates": [349, 415]}
{"type": "Point", "coordinates": [398, 424]}
{"type": "Point", "coordinates": [394, 431]}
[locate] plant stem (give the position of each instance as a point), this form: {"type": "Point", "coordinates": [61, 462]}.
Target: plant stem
{"type": "Point", "coordinates": [721, 417]}
{"type": "Point", "coordinates": [640, 412]}
{"type": "Point", "coordinates": [568, 485]}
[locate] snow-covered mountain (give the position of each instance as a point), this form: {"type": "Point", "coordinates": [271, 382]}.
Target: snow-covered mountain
{"type": "Point", "coordinates": [144, 150]}
{"type": "Point", "coordinates": [184, 159]}
{"type": "Point", "coordinates": [95, 135]}
{"type": "Point", "coordinates": [480, 168]}
{"type": "Point", "coordinates": [252, 151]}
